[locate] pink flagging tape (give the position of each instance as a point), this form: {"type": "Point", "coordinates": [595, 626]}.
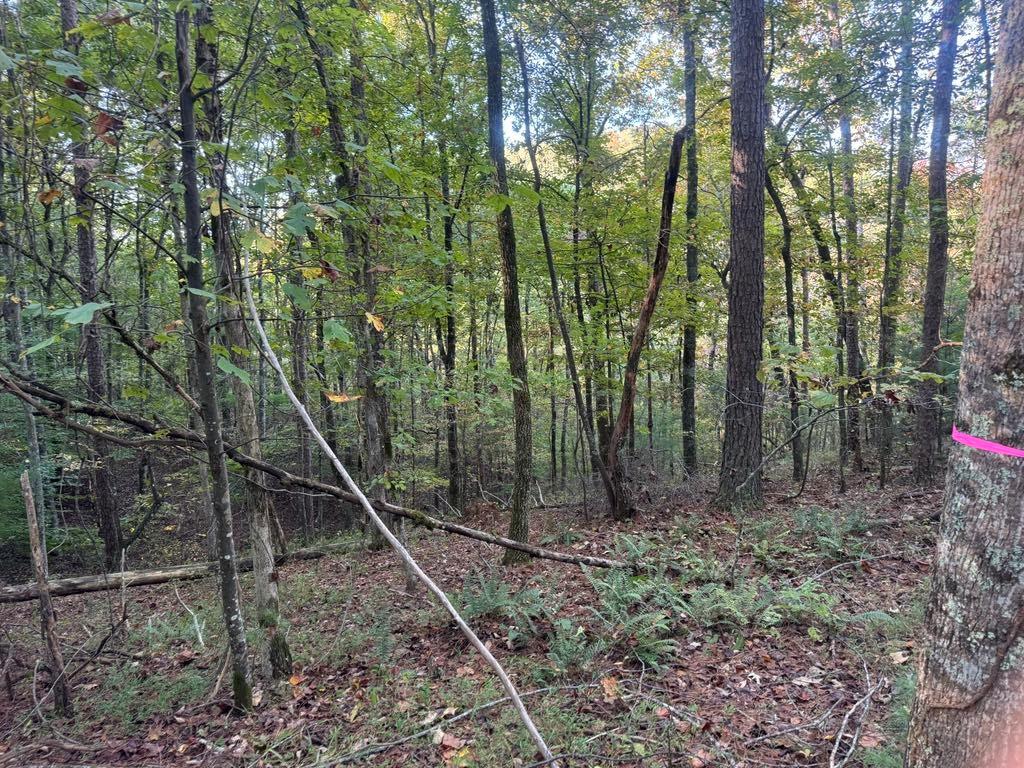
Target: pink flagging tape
{"type": "Point", "coordinates": [985, 445]}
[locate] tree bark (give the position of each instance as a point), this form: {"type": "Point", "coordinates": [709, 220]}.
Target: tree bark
{"type": "Point", "coordinates": [967, 710]}
{"type": "Point", "coordinates": [689, 366]}
{"type": "Point", "coordinates": [852, 303]}
{"type": "Point", "coordinates": [927, 408]}
{"type": "Point", "coordinates": [231, 602]}
{"type": "Point", "coordinates": [59, 685]}
{"type": "Point", "coordinates": [274, 654]}
{"type": "Point", "coordinates": [793, 390]}
{"type": "Point", "coordinates": [89, 290]}
{"type": "Point", "coordinates": [519, 525]}
{"type": "Point", "coordinates": [741, 452]}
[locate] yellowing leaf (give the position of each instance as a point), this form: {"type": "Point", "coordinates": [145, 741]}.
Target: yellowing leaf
{"type": "Point", "coordinates": [311, 273]}
{"type": "Point", "coordinates": [296, 680]}
{"type": "Point", "coordinates": [375, 321]}
{"type": "Point", "coordinates": [340, 397]}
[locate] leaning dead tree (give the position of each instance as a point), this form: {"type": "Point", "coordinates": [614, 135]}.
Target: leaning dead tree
{"type": "Point", "coordinates": [59, 408]}
{"type": "Point", "coordinates": [407, 559]}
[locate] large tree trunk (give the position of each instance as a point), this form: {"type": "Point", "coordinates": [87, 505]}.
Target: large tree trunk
{"type": "Point", "coordinates": [969, 702]}
{"type": "Point", "coordinates": [689, 366]}
{"type": "Point", "coordinates": [519, 526]}
{"type": "Point", "coordinates": [739, 477]}
{"type": "Point", "coordinates": [89, 289]}
{"type": "Point", "coordinates": [929, 414]}
{"type": "Point", "coordinates": [622, 504]}
{"type": "Point", "coordinates": [893, 272]}
{"type": "Point", "coordinates": [274, 653]}
{"type": "Point", "coordinates": [231, 602]}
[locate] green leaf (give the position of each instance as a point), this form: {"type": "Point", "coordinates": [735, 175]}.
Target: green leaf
{"type": "Point", "coordinates": [230, 368]}
{"type": "Point", "coordinates": [821, 399]}
{"type": "Point", "coordinates": [83, 315]}
{"type": "Point", "coordinates": [498, 202]}
{"type": "Point", "coordinates": [201, 292]}
{"type": "Point", "coordinates": [41, 345]}
{"type": "Point", "coordinates": [297, 221]}
{"type": "Point", "coordinates": [6, 62]}
{"type": "Point", "coordinates": [298, 294]}
{"type": "Point", "coordinates": [334, 330]}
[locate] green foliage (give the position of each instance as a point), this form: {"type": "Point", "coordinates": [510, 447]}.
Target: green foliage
{"type": "Point", "coordinates": [833, 532]}
{"type": "Point", "coordinates": [760, 604]}
{"type": "Point", "coordinates": [128, 697]}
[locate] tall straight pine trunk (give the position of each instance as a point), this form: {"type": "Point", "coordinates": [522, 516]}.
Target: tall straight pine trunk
{"type": "Point", "coordinates": [969, 707]}
{"type": "Point", "coordinates": [739, 475]}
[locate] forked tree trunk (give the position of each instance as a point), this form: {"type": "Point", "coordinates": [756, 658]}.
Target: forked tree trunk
{"type": "Point", "coordinates": [274, 653]}
{"type": "Point", "coordinates": [519, 525]}
{"type": "Point", "coordinates": [230, 596]}
{"type": "Point", "coordinates": [88, 280]}
{"type": "Point", "coordinates": [622, 506]}
{"type": "Point", "coordinates": [59, 683]}
{"type": "Point", "coordinates": [969, 706]}
{"type": "Point", "coordinates": [739, 476]}
{"type": "Point", "coordinates": [928, 411]}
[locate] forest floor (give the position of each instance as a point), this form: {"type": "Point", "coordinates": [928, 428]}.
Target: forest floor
{"type": "Point", "coordinates": [784, 637]}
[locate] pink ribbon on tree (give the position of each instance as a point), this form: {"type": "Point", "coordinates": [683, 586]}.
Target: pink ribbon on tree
{"type": "Point", "coordinates": [985, 445]}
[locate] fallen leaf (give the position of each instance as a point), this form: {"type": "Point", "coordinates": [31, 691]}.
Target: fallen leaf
{"type": "Point", "coordinates": [296, 680]}
{"type": "Point", "coordinates": [610, 686]}
{"type": "Point", "coordinates": [899, 657]}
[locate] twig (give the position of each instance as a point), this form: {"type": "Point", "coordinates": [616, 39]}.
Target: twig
{"type": "Point", "coordinates": [378, 523]}
{"type": "Point", "coordinates": [376, 749]}
{"type": "Point", "coordinates": [195, 618]}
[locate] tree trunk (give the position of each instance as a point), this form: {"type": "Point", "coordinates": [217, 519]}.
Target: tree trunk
{"type": "Point", "coordinates": [597, 462]}
{"type": "Point", "coordinates": [231, 602]}
{"type": "Point", "coordinates": [851, 316]}
{"type": "Point", "coordinates": [519, 525]}
{"type": "Point", "coordinates": [274, 653]}
{"type": "Point", "coordinates": [739, 478]}
{"type": "Point", "coordinates": [893, 272]}
{"type": "Point", "coordinates": [59, 684]}
{"type": "Point", "coordinates": [89, 289]}
{"type": "Point", "coordinates": [967, 710]}
{"type": "Point", "coordinates": [623, 506]}
{"type": "Point", "coordinates": [689, 366]}
{"type": "Point", "coordinates": [796, 435]}
{"type": "Point", "coordinates": [928, 412]}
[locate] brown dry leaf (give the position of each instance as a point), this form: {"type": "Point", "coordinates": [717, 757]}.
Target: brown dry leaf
{"type": "Point", "coordinates": [610, 686]}
{"type": "Point", "coordinates": [113, 17]}
{"type": "Point", "coordinates": [49, 196]}
{"type": "Point", "coordinates": [103, 124]}
{"type": "Point", "coordinates": [899, 657]}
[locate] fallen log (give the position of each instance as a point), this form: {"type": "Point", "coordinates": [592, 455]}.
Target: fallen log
{"type": "Point", "coordinates": [78, 585]}
{"type": "Point", "coordinates": [36, 395]}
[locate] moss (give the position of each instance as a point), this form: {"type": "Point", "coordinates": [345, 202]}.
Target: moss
{"type": "Point", "coordinates": [241, 690]}
{"type": "Point", "coordinates": [280, 656]}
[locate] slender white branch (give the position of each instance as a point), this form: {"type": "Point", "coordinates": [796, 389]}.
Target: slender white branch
{"type": "Point", "coordinates": [402, 552]}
